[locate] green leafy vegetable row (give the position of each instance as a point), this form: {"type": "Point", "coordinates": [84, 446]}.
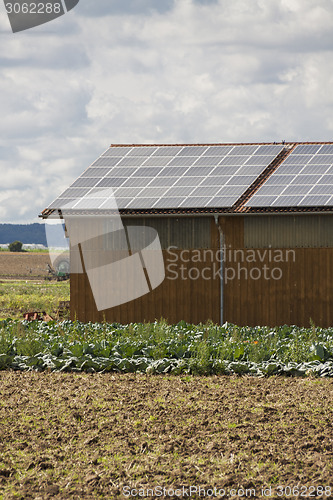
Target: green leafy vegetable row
{"type": "Point", "coordinates": [162, 348]}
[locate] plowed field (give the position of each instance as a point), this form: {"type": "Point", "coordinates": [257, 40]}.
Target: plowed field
{"type": "Point", "coordinates": [82, 436]}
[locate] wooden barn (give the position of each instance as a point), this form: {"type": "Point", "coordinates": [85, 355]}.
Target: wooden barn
{"type": "Point", "coordinates": [246, 231]}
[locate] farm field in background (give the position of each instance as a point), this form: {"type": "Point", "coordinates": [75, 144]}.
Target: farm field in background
{"type": "Point", "coordinates": [25, 265]}
{"type": "Point", "coordinates": [24, 285]}
{"type": "Point", "coordinates": [18, 297]}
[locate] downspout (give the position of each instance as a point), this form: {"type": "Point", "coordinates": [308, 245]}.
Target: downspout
{"type": "Point", "coordinates": [221, 253]}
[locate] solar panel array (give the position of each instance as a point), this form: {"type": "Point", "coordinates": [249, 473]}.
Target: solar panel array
{"type": "Point", "coordinates": [162, 177]}
{"type": "Point", "coordinates": [305, 178]}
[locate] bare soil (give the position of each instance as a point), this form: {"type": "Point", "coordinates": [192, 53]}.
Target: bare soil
{"type": "Point", "coordinates": [23, 265]}
{"type": "Point", "coordinates": [84, 436]}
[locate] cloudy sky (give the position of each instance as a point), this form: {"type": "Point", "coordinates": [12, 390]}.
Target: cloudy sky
{"type": "Point", "coordinates": [156, 71]}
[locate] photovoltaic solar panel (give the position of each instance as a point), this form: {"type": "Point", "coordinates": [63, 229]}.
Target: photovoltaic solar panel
{"type": "Point", "coordinates": [315, 169]}
{"type": "Point", "coordinates": [206, 191]}
{"type": "Point", "coordinates": [124, 192]}
{"type": "Point", "coordinates": [208, 160]}
{"type": "Point", "coordinates": [322, 189]}
{"type": "Point", "coordinates": [197, 201]}
{"type": "Point", "coordinates": [233, 160]}
{"type": "Point", "coordinates": [86, 182]}
{"type": "Point", "coordinates": [228, 191]}
{"type": "Point", "coordinates": [240, 180]}
{"type": "Point", "coordinates": [137, 181]}
{"type": "Point", "coordinates": [110, 203]}
{"type": "Point", "coordinates": [63, 203]}
{"type": "Point", "coordinates": [139, 203]}
{"type": "Point", "coordinates": [212, 180]}
{"type": "Point", "coordinates": [287, 201]}
{"type": "Point", "coordinates": [157, 161]}
{"type": "Point", "coordinates": [288, 170]}
{"type": "Point", "coordinates": [132, 161]}
{"type": "Point", "coordinates": [297, 159]}
{"type": "Point", "coordinates": [263, 200]}
{"type": "Point", "coordinates": [243, 150]}
{"type": "Point", "coordinates": [179, 191]}
{"type": "Point", "coordinates": [250, 170]}
{"type": "Point", "coordinates": [142, 151]}
{"type": "Point", "coordinates": [303, 179]}
{"type": "Point", "coordinates": [326, 149]}
{"type": "Point", "coordinates": [229, 171]}
{"type": "Point", "coordinates": [313, 200]}
{"type": "Point", "coordinates": [123, 202]}
{"type": "Point", "coordinates": [75, 192]}
{"type": "Point", "coordinates": [199, 171]}
{"type": "Point", "coordinates": [271, 190]}
{"type": "Point", "coordinates": [121, 172]}
{"type": "Point", "coordinates": [88, 203]}
{"type": "Point", "coordinates": [98, 172]}
{"type": "Point", "coordinates": [164, 181]}
{"type": "Point", "coordinates": [259, 160]}
{"type": "Point", "coordinates": [189, 181]}
{"type": "Point", "coordinates": [109, 182]}
{"type": "Point", "coordinates": [221, 201]}
{"type": "Point", "coordinates": [101, 192]}
{"type": "Point", "coordinates": [268, 150]}
{"type": "Point", "coordinates": [167, 151]}
{"type": "Point", "coordinates": [168, 176]}
{"type": "Point", "coordinates": [109, 161]}
{"type": "Point", "coordinates": [326, 179]}
{"type": "Point", "coordinates": [152, 192]}
{"type": "Point", "coordinates": [306, 149]}
{"type": "Point", "coordinates": [217, 150]}
{"type": "Point", "coordinates": [321, 160]}
{"type": "Point", "coordinates": [296, 189]}
{"type": "Point", "coordinates": [117, 151]}
{"type": "Point", "coordinates": [173, 171]}
{"type": "Point", "coordinates": [148, 171]}
{"type": "Point", "coordinates": [116, 181]}
{"type": "Point", "coordinates": [167, 202]}
{"type": "Point", "coordinates": [180, 161]}
{"type": "Point", "coordinates": [192, 151]}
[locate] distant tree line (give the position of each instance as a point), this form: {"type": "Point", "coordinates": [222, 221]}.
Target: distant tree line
{"type": "Point", "coordinates": [26, 233]}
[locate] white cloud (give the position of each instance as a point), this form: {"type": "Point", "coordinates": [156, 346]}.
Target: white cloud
{"type": "Point", "coordinates": [125, 7]}
{"type": "Point", "coordinates": [193, 71]}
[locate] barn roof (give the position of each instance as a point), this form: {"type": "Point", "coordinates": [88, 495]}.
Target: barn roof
{"type": "Point", "coordinates": [204, 178]}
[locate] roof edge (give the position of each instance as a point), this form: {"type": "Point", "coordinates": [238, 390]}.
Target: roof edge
{"type": "Point", "coordinates": [283, 143]}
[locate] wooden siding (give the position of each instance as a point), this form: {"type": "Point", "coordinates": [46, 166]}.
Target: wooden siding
{"type": "Point", "coordinates": [183, 232]}
{"type": "Point", "coordinates": [192, 300]}
{"type": "Point", "coordinates": [288, 231]}
{"type": "Point", "coordinates": [304, 292]}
